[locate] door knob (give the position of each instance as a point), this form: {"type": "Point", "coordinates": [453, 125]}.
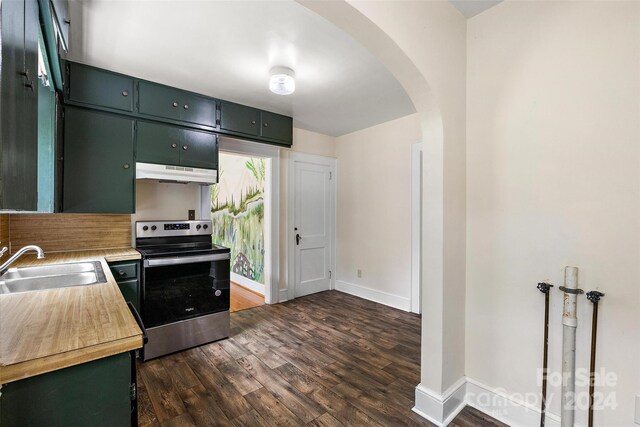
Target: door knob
{"type": "Point", "coordinates": [126, 166]}
{"type": "Point", "coordinates": [174, 145]}
{"type": "Point", "coordinates": [298, 238]}
{"type": "Point", "coordinates": [186, 107]}
{"type": "Point", "coordinates": [184, 147]}
{"type": "Point", "coordinates": [175, 104]}
{"type": "Point", "coordinates": [125, 93]}
{"type": "Point", "coordinates": [253, 122]}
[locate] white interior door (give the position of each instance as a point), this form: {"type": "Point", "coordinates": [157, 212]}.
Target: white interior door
{"type": "Point", "coordinates": [312, 227]}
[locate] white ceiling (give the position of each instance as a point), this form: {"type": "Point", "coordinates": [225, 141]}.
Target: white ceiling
{"type": "Point", "coordinates": [226, 48]}
{"type": "Point", "coordinates": [470, 8]}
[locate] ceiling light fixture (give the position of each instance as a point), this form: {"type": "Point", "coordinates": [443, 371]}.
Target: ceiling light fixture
{"type": "Point", "coordinates": [282, 81]}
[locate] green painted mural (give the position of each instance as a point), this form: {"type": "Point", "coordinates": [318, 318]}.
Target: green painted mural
{"type": "Point", "coordinates": [237, 213]}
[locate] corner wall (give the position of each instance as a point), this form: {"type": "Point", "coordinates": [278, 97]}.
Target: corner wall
{"type": "Point", "coordinates": [374, 211]}
{"type": "Point", "coordinates": [553, 179]}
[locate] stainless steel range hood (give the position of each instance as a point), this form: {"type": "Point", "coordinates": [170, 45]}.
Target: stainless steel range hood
{"type": "Point", "coordinates": [178, 174]}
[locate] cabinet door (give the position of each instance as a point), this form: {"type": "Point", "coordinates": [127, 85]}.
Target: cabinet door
{"type": "Point", "coordinates": [92, 86]}
{"type": "Point", "coordinates": [159, 101]}
{"type": "Point", "coordinates": [239, 118]}
{"type": "Point", "coordinates": [197, 109]}
{"type": "Point", "coordinates": [63, 19]}
{"type": "Point", "coordinates": [199, 149]}
{"type": "Point", "coordinates": [158, 143]}
{"type": "Point", "coordinates": [129, 290]}
{"type": "Point", "coordinates": [98, 162]}
{"type": "Point", "coordinates": [19, 105]}
{"type": "Point", "coordinates": [276, 126]}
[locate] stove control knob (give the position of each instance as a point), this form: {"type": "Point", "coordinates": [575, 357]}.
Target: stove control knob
{"type": "Point", "coordinates": [145, 228]}
{"type": "Point", "coordinates": [218, 292]}
{"type": "Point", "coordinates": [205, 226]}
{"type": "Point", "coordinates": [198, 227]}
{"type": "Point", "coordinates": [153, 228]}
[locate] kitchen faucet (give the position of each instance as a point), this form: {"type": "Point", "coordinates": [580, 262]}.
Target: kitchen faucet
{"type": "Point", "coordinates": [4, 267]}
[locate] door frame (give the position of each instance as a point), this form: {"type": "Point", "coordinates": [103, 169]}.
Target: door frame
{"type": "Point", "coordinates": [416, 227]}
{"type": "Point", "coordinates": [271, 208]}
{"type": "Point", "coordinates": [297, 157]}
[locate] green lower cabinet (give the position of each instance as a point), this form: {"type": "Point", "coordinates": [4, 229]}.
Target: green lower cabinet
{"type": "Point", "coordinates": [97, 394]}
{"type": "Point", "coordinates": [99, 168]}
{"type": "Point", "coordinates": [126, 275]}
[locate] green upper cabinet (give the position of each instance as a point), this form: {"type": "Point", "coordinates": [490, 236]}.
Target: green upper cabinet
{"type": "Point", "coordinates": [199, 149]}
{"type": "Point", "coordinates": [158, 101]}
{"type": "Point", "coordinates": [99, 172]}
{"type": "Point", "coordinates": [90, 86]}
{"type": "Point", "coordinates": [174, 145]}
{"type": "Point", "coordinates": [198, 109]}
{"type": "Point", "coordinates": [158, 143]}
{"type": "Point", "coordinates": [175, 104]}
{"type": "Point", "coordinates": [19, 105]}
{"type": "Point", "coordinates": [276, 127]}
{"type": "Point", "coordinates": [240, 119]}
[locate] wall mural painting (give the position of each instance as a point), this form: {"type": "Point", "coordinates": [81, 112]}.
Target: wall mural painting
{"type": "Point", "coordinates": [237, 213]}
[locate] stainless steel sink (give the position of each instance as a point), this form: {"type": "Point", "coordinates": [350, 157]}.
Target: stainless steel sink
{"type": "Point", "coordinates": [51, 276]}
{"type": "Point", "coordinates": [49, 270]}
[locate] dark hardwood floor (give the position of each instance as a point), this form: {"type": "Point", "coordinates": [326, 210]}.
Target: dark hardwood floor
{"type": "Point", "coordinates": [328, 359]}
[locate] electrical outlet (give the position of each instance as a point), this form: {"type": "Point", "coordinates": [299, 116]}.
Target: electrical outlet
{"type": "Point", "coordinates": [192, 214]}
{"type": "Point", "coordinates": [637, 417]}
{"type": "Point", "coordinates": [359, 273]}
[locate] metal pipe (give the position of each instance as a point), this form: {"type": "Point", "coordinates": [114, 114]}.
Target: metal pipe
{"type": "Point", "coordinates": [570, 323]}
{"type": "Point", "coordinates": [594, 297]}
{"type": "Point", "coordinates": [544, 288]}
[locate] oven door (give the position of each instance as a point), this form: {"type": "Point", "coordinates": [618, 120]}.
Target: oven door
{"type": "Point", "coordinates": [183, 287]}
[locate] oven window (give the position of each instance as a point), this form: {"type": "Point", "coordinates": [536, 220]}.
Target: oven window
{"type": "Point", "coordinates": [183, 291]}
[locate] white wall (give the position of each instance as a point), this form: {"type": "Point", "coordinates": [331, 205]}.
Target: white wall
{"type": "Point", "coordinates": [374, 210]}
{"type": "Point", "coordinates": [553, 179]}
{"type": "Point", "coordinates": [304, 141]}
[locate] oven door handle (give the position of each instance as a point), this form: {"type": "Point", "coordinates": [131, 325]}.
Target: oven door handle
{"type": "Point", "coordinates": [159, 262]}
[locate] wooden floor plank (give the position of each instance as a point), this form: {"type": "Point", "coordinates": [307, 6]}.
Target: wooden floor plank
{"type": "Point", "coordinates": [328, 359]}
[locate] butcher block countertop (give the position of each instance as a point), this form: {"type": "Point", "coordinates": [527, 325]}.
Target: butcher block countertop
{"type": "Point", "coordinates": [43, 331]}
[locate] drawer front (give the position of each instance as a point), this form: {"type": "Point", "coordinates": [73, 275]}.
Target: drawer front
{"type": "Point", "coordinates": [159, 101]}
{"type": "Point", "coordinates": [158, 143]}
{"type": "Point", "coordinates": [239, 118]}
{"type": "Point", "coordinates": [88, 85]}
{"type": "Point", "coordinates": [123, 272]}
{"type": "Point", "coordinates": [276, 126]}
{"type": "Point", "coordinates": [197, 109]}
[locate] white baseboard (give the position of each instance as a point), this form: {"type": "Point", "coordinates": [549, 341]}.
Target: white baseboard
{"type": "Point", "coordinates": [385, 298]}
{"type": "Point", "coordinates": [441, 409]}
{"type": "Point", "coordinates": [284, 295]}
{"type": "Point", "coordinates": [248, 283]}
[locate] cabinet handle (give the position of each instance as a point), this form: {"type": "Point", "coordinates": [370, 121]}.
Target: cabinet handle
{"type": "Point", "coordinates": [66, 21]}
{"type": "Point", "coordinates": [29, 84]}
{"type": "Point", "coordinates": [125, 93]}
{"type": "Point", "coordinates": [174, 145]}
{"type": "Point", "coordinates": [266, 124]}
{"type": "Point", "coordinates": [184, 147]}
{"type": "Point", "coordinates": [186, 107]}
{"type": "Point", "coordinates": [121, 273]}
{"type": "Point", "coordinates": [126, 166]}
{"type": "Point", "coordinates": [175, 104]}
{"type": "Point", "coordinates": [253, 122]}
{"type": "Point", "coordinates": [25, 74]}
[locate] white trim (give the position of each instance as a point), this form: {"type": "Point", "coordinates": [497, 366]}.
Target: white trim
{"type": "Point", "coordinates": [416, 227]}
{"type": "Point", "coordinates": [248, 283]}
{"type": "Point", "coordinates": [374, 295]}
{"type": "Point", "coordinates": [271, 207]}
{"type": "Point", "coordinates": [331, 162]}
{"type": "Point", "coordinates": [441, 409]}
{"type": "Point", "coordinates": [496, 403]}
{"type": "Point", "coordinates": [284, 294]}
